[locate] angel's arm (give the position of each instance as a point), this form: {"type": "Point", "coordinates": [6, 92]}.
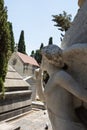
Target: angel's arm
{"type": "Point", "coordinates": [65, 81]}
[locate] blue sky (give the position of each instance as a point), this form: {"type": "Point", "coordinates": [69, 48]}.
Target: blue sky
{"type": "Point", "coordinates": [35, 18]}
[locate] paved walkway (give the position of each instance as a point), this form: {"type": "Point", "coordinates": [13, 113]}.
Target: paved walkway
{"type": "Point", "coordinates": [34, 120]}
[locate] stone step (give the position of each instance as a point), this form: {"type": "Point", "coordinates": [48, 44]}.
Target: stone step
{"type": "Point", "coordinates": [5, 126]}
{"type": "Point", "coordinates": [38, 104]}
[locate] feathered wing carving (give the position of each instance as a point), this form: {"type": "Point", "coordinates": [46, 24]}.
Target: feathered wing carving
{"type": "Point", "coordinates": [75, 57]}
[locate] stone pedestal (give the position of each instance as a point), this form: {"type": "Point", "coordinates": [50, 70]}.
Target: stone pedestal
{"type": "Point", "coordinates": [14, 104]}
{"type": "Point", "coordinates": [17, 96]}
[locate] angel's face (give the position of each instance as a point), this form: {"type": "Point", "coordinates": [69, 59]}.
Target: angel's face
{"type": "Point", "coordinates": [47, 66]}
{"type": "Point", "coordinates": [44, 64]}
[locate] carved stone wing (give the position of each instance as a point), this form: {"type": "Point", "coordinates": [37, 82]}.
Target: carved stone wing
{"type": "Point", "coordinates": [75, 57]}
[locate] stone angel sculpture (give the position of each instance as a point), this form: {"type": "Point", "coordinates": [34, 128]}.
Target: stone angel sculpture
{"type": "Point", "coordinates": [65, 93]}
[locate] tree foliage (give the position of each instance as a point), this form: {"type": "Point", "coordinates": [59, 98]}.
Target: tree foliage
{"type": "Point", "coordinates": [37, 54]}
{"type": "Point", "coordinates": [21, 43]}
{"type": "Point", "coordinates": [12, 36]}
{"type": "Point", "coordinates": [4, 43]}
{"type": "Point", "coordinates": [63, 22]}
{"type": "Point", "coordinates": [32, 53]}
{"type": "Point", "coordinates": [50, 41]}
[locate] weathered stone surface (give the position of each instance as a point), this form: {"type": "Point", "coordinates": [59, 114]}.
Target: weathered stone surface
{"type": "Point", "coordinates": [75, 58]}
{"type": "Point", "coordinates": [14, 81]}
{"type": "Point", "coordinates": [5, 126]}
{"type": "Point", "coordinates": [63, 87]}
{"type": "Point", "coordinates": [17, 96]}
{"type": "Point", "coordinates": [34, 120]}
{"type": "Point", "coordinates": [65, 93]}
{"type": "Point", "coordinates": [78, 30]}
{"type": "Point", "coordinates": [15, 103]}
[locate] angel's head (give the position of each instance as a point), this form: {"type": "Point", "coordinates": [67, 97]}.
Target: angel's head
{"type": "Point", "coordinates": [52, 55]}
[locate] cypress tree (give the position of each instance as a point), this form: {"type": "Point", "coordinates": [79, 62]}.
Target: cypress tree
{"type": "Point", "coordinates": [37, 54]}
{"type": "Point", "coordinates": [21, 43]}
{"type": "Point", "coordinates": [32, 53]}
{"type": "Point", "coordinates": [50, 41]}
{"type": "Point", "coordinates": [12, 36]}
{"type": "Point", "coordinates": [4, 43]}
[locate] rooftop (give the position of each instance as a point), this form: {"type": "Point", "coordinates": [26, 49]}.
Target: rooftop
{"type": "Point", "coordinates": [27, 59]}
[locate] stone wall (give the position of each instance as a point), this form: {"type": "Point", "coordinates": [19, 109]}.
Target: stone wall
{"type": "Point", "coordinates": [15, 103]}
{"type": "Point", "coordinates": [17, 96]}
{"type": "Point", "coordinates": [22, 68]}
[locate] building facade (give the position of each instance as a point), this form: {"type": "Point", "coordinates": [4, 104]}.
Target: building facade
{"type": "Point", "coordinates": [23, 64]}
